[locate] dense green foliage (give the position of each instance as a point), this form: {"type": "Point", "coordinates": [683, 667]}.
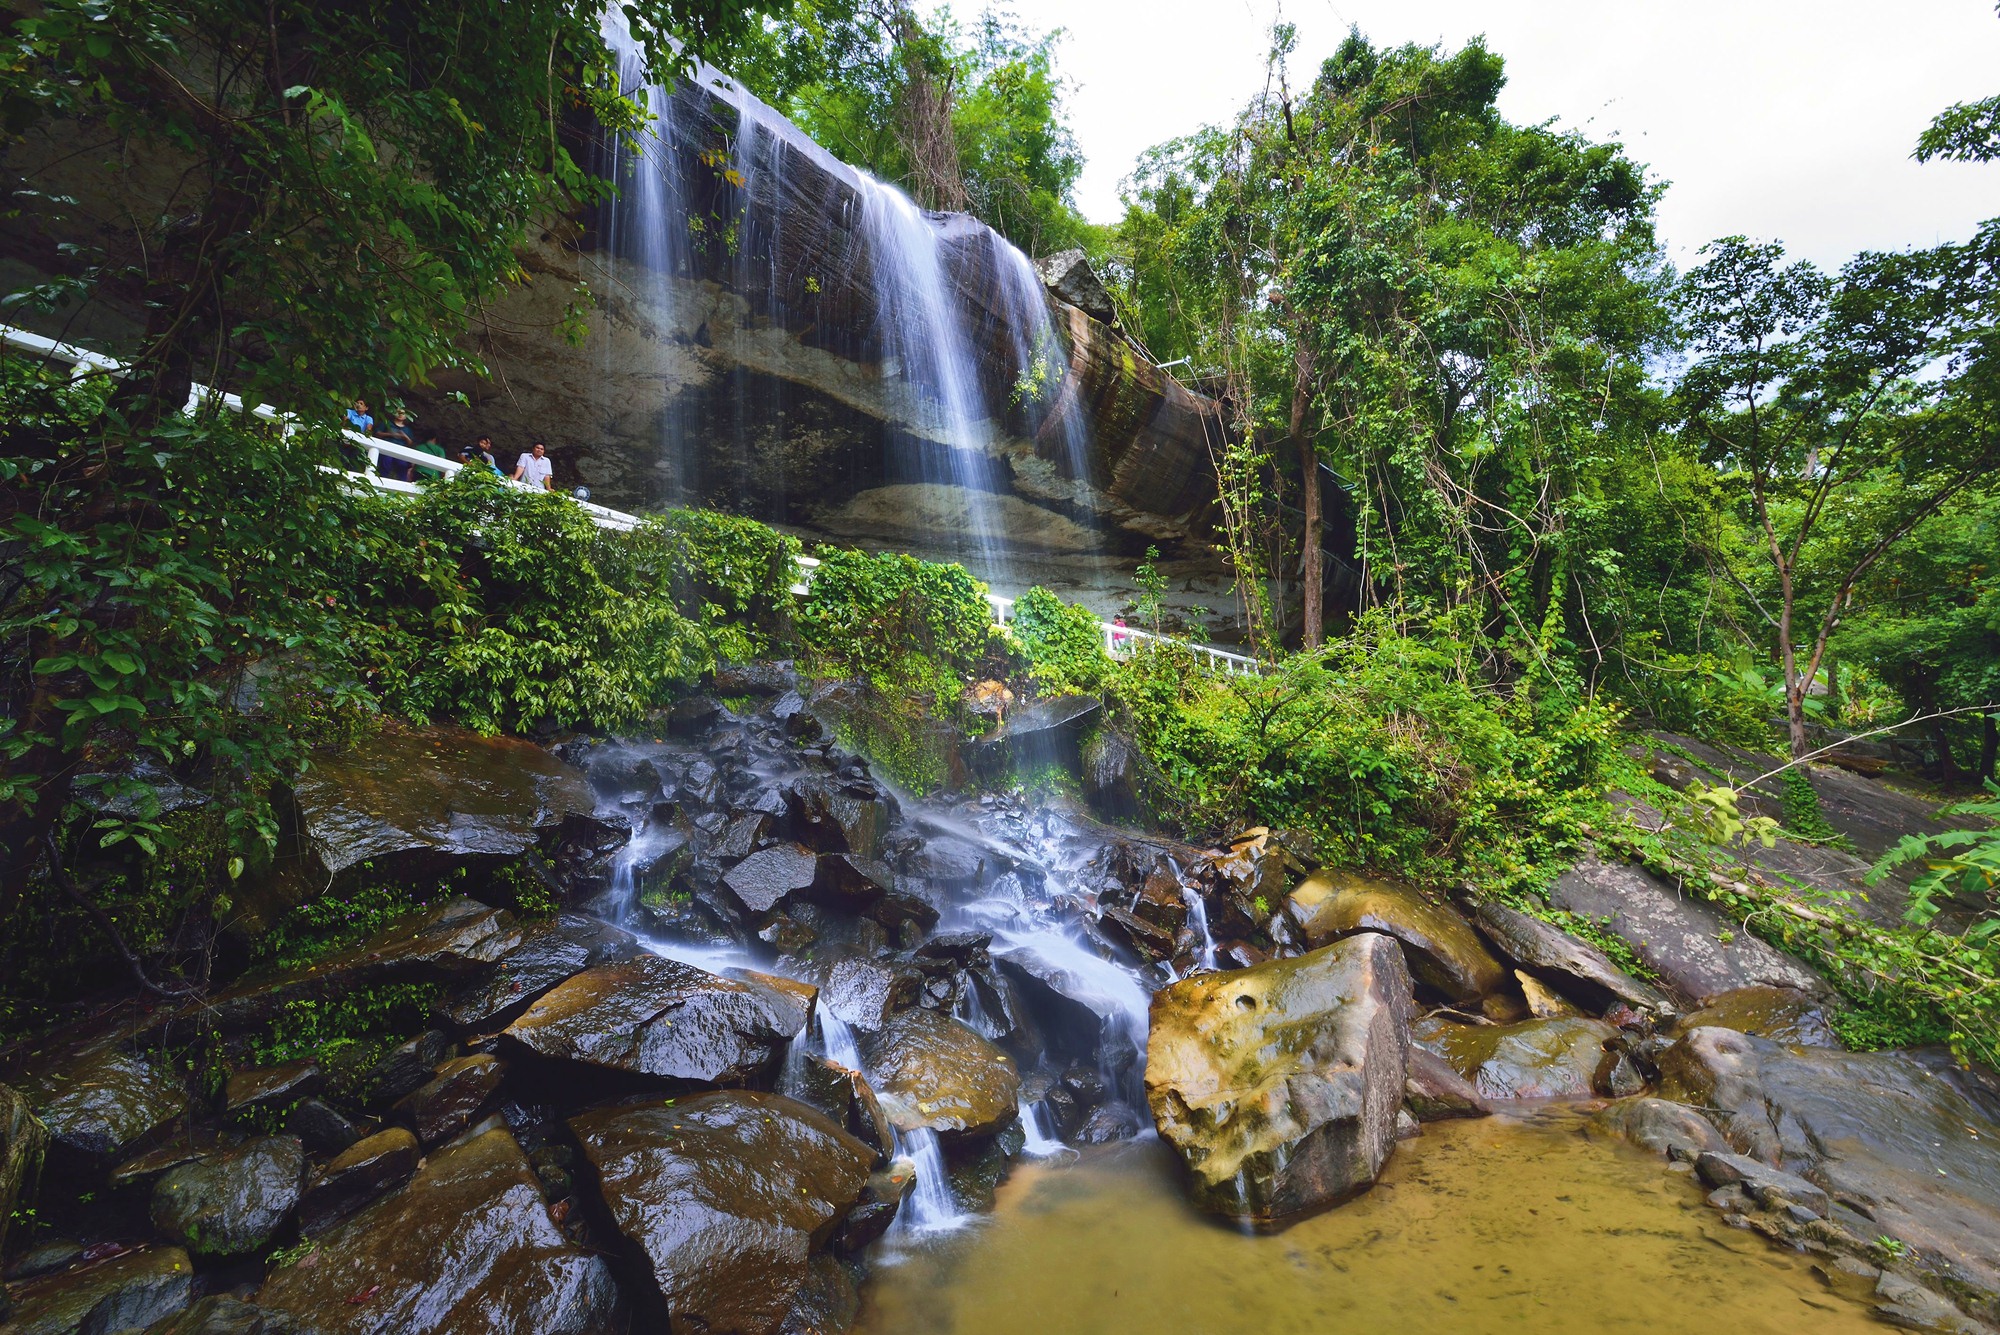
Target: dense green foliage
{"type": "Point", "coordinates": [1062, 643]}
{"type": "Point", "coordinates": [912, 628]}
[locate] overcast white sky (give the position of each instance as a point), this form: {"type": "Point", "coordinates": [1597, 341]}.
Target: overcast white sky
{"type": "Point", "coordinates": [1774, 118]}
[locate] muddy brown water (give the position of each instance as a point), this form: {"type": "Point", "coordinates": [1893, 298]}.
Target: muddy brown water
{"type": "Point", "coordinates": [1501, 1225]}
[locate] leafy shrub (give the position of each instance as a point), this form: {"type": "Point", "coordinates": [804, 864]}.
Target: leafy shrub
{"type": "Point", "coordinates": [1062, 643]}
{"type": "Point", "coordinates": [1381, 748]}
{"type": "Point", "coordinates": [910, 627]}
{"type": "Point", "coordinates": [1702, 695]}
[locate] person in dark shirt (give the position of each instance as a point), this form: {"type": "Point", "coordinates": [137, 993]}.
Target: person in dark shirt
{"type": "Point", "coordinates": [398, 431]}
{"type": "Point", "coordinates": [480, 452]}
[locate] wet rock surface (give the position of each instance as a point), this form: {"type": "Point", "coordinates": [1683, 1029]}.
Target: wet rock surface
{"type": "Point", "coordinates": [1664, 1127]}
{"type": "Point", "coordinates": [466, 1248]}
{"type": "Point", "coordinates": [230, 1203]}
{"type": "Point", "coordinates": [125, 1292]}
{"type": "Point", "coordinates": [99, 1101]}
{"type": "Point", "coordinates": [727, 1196]}
{"type": "Point", "coordinates": [1444, 952]}
{"type": "Point", "coordinates": [1279, 1085]}
{"type": "Point", "coordinates": [548, 954]}
{"type": "Point", "coordinates": [1534, 1059]}
{"type": "Point", "coordinates": [365, 1170]}
{"type": "Point", "coordinates": [23, 1143]}
{"type": "Point", "coordinates": [1781, 1014]}
{"type": "Point", "coordinates": [1695, 951]}
{"type": "Point", "coordinates": [658, 1017]}
{"type": "Point", "coordinates": [1905, 1144]}
{"type": "Point", "coordinates": [933, 1073]}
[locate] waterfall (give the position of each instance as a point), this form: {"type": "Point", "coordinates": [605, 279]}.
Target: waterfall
{"type": "Point", "coordinates": [836, 1040]}
{"type": "Point", "coordinates": [930, 1206]}
{"type": "Point", "coordinates": [1197, 908]}
{"type": "Point", "coordinates": [953, 317]}
{"type": "Point", "coordinates": [1040, 1128]}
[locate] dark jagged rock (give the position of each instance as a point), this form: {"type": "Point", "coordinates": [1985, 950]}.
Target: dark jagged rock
{"type": "Point", "coordinates": [933, 1072]}
{"type": "Point", "coordinates": [23, 1142]}
{"type": "Point", "coordinates": [856, 885]}
{"type": "Point", "coordinates": [453, 1099]}
{"type": "Point", "coordinates": [1444, 951]}
{"type": "Point", "coordinates": [1696, 953]}
{"type": "Point", "coordinates": [366, 1170]}
{"type": "Point", "coordinates": [1781, 1014]}
{"type": "Point", "coordinates": [1068, 274]}
{"type": "Point", "coordinates": [826, 1304]}
{"type": "Point", "coordinates": [548, 954]}
{"type": "Point", "coordinates": [272, 1086]}
{"type": "Point", "coordinates": [324, 1128]}
{"type": "Point", "coordinates": [847, 1099]}
{"type": "Point", "coordinates": [99, 1102]}
{"type": "Point", "coordinates": [186, 1144]}
{"type": "Point", "coordinates": [421, 802]}
{"type": "Point", "coordinates": [1541, 946]}
{"type": "Point", "coordinates": [1117, 777]}
{"type": "Point", "coordinates": [1906, 1144]}
{"type": "Point", "coordinates": [451, 944]}
{"type": "Point", "coordinates": [1041, 732]}
{"type": "Point", "coordinates": [837, 816]}
{"type": "Point", "coordinates": [405, 1068]}
{"type": "Point", "coordinates": [1535, 1059]}
{"type": "Point", "coordinates": [230, 1203]}
{"type": "Point", "coordinates": [1279, 1085]}
{"type": "Point", "coordinates": [726, 1196]}
{"type": "Point", "coordinates": [876, 1208]}
{"type": "Point", "coordinates": [467, 1248]}
{"type": "Point", "coordinates": [1434, 1091]}
{"type": "Point", "coordinates": [765, 879]}
{"type": "Point", "coordinates": [129, 1291]}
{"type": "Point", "coordinates": [864, 993]}
{"type": "Point", "coordinates": [1671, 1129]}
{"type": "Point", "coordinates": [657, 1017]}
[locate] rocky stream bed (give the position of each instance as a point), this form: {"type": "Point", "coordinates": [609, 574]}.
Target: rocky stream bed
{"type": "Point", "coordinates": [798, 1053]}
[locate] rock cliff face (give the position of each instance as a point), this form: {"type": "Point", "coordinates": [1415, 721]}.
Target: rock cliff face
{"type": "Point", "coordinates": [744, 353]}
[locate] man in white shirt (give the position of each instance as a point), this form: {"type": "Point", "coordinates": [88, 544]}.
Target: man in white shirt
{"type": "Point", "coordinates": [535, 468]}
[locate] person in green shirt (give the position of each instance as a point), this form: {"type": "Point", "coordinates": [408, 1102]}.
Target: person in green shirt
{"type": "Point", "coordinates": [427, 441]}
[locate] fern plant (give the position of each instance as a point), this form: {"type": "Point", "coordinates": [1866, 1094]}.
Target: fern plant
{"type": "Point", "coordinates": [1962, 864]}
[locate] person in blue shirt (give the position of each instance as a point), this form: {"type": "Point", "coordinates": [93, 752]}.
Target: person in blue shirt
{"type": "Point", "coordinates": [358, 418]}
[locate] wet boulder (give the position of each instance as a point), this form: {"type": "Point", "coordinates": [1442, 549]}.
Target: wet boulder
{"type": "Point", "coordinates": [864, 993]}
{"type": "Point", "coordinates": [836, 815]}
{"type": "Point", "coordinates": [230, 1203]}
{"type": "Point", "coordinates": [1444, 952]}
{"type": "Point", "coordinates": [770, 876]}
{"type": "Point", "coordinates": [415, 803]}
{"type": "Point", "coordinates": [467, 1248]}
{"type": "Point", "coordinates": [460, 940]}
{"type": "Point", "coordinates": [98, 1101]}
{"type": "Point", "coordinates": [1279, 1085]}
{"type": "Point", "coordinates": [726, 1196]}
{"type": "Point", "coordinates": [453, 1099]}
{"type": "Point", "coordinates": [658, 1017]}
{"type": "Point", "coordinates": [848, 883]}
{"type": "Point", "coordinates": [848, 1100]}
{"type": "Point", "coordinates": [365, 1170]}
{"type": "Point", "coordinates": [1434, 1091]}
{"type": "Point", "coordinates": [1906, 1144]}
{"type": "Point", "coordinates": [1772, 1188]}
{"type": "Point", "coordinates": [219, 1314]}
{"type": "Point", "coordinates": [23, 1142]}
{"type": "Point", "coordinates": [931, 1072]}
{"type": "Point", "coordinates": [1535, 1059]}
{"type": "Point", "coordinates": [325, 1129]}
{"type": "Point", "coordinates": [276, 1087]}
{"type": "Point", "coordinates": [1043, 732]}
{"type": "Point", "coordinates": [1781, 1014]}
{"type": "Point", "coordinates": [826, 1304]}
{"type": "Point", "coordinates": [548, 954]}
{"type": "Point", "coordinates": [129, 1291]}
{"type": "Point", "coordinates": [1664, 1127]}
{"type": "Point", "coordinates": [1549, 950]}
{"type": "Point", "coordinates": [1116, 777]}
{"type": "Point", "coordinates": [1695, 951]}
{"type": "Point", "coordinates": [405, 1068]}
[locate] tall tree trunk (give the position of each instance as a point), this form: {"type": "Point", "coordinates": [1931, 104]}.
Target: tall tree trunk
{"type": "Point", "coordinates": [1314, 594]}
{"type": "Point", "coordinates": [1989, 748]}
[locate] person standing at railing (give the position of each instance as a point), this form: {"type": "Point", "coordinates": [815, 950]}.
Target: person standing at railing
{"type": "Point", "coordinates": [428, 442]}
{"type": "Point", "coordinates": [480, 452]}
{"type": "Point", "coordinates": [397, 432]}
{"type": "Point", "coordinates": [358, 418]}
{"type": "Point", "coordinates": [535, 468]}
{"type": "Point", "coordinates": [1121, 639]}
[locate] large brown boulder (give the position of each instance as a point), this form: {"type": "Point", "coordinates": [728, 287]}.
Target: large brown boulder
{"type": "Point", "coordinates": [932, 1072]}
{"type": "Point", "coordinates": [125, 1292]}
{"type": "Point", "coordinates": [658, 1017]}
{"type": "Point", "coordinates": [1578, 965]}
{"type": "Point", "coordinates": [230, 1203]}
{"type": "Point", "coordinates": [98, 1101]}
{"type": "Point", "coordinates": [467, 1248]}
{"type": "Point", "coordinates": [1279, 1085]}
{"type": "Point", "coordinates": [1444, 952]}
{"type": "Point", "coordinates": [727, 1196]}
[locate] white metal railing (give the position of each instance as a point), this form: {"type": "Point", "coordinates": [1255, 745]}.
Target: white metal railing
{"type": "Point", "coordinates": [1119, 641]}
{"type": "Point", "coordinates": [84, 362]}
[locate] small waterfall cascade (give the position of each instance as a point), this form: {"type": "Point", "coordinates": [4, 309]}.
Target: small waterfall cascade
{"type": "Point", "coordinates": [930, 1206]}
{"type": "Point", "coordinates": [1197, 909]}
{"type": "Point", "coordinates": [1040, 1130]}
{"type": "Point", "coordinates": [707, 237]}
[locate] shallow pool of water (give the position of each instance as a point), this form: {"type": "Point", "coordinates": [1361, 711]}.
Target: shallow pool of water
{"type": "Point", "coordinates": [1500, 1225]}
